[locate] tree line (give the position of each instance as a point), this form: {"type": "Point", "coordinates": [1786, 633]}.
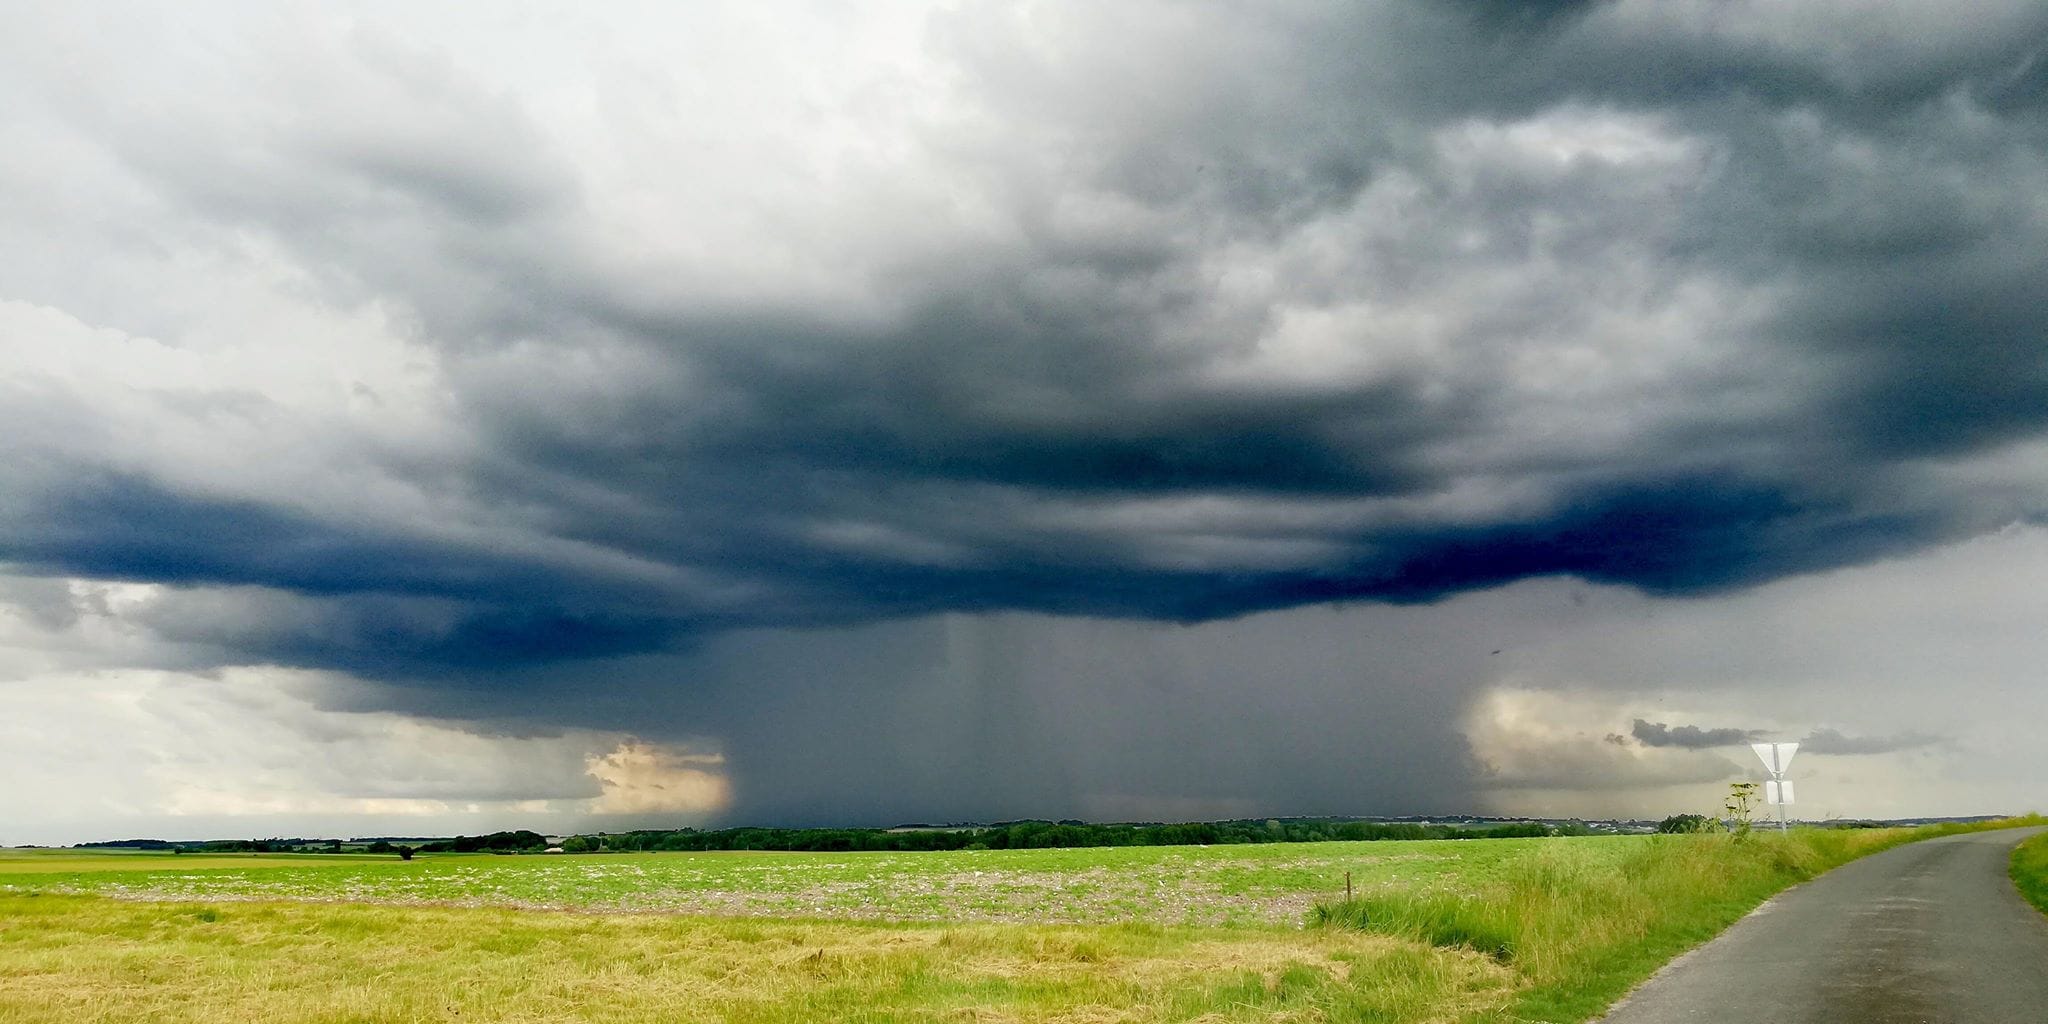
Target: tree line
{"type": "Point", "coordinates": [1037, 835]}
{"type": "Point", "coordinates": [1016, 835]}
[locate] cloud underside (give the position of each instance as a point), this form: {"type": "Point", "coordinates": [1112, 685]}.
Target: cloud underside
{"type": "Point", "coordinates": [1515, 700]}
{"type": "Point", "coordinates": [1651, 303]}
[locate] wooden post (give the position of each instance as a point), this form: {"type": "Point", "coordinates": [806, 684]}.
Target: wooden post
{"type": "Point", "coordinates": [1347, 886]}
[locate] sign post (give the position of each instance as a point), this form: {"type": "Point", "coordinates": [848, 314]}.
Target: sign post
{"type": "Point", "coordinates": [1776, 758]}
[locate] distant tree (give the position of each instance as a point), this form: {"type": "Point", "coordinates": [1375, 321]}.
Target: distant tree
{"type": "Point", "coordinates": [501, 842]}
{"type": "Point", "coordinates": [380, 846]}
{"type": "Point", "coordinates": [579, 844]}
{"type": "Point", "coordinates": [405, 853]}
{"type": "Point", "coordinates": [1686, 823]}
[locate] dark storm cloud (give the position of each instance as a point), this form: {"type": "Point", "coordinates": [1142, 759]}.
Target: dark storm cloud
{"type": "Point", "coordinates": [1688, 737]}
{"type": "Point", "coordinates": [993, 716]}
{"type": "Point", "coordinates": [1300, 305]}
{"type": "Point", "coordinates": [1832, 741]}
{"type": "Point", "coordinates": [123, 527]}
{"type": "Point", "coordinates": [290, 589]}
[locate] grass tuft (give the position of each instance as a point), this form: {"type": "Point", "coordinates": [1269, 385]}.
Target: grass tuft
{"type": "Point", "coordinates": [1448, 921]}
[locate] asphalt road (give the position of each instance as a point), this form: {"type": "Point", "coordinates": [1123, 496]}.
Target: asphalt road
{"type": "Point", "coordinates": [1928, 932]}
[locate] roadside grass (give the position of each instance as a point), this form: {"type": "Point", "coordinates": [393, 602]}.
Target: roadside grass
{"type": "Point", "coordinates": [2030, 870]}
{"type": "Point", "coordinates": [1579, 930]}
{"type": "Point", "coordinates": [70, 958]}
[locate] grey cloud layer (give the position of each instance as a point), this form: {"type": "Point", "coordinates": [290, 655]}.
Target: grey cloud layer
{"type": "Point", "coordinates": [1174, 312]}
{"type": "Point", "coordinates": [1690, 737]}
{"type": "Point", "coordinates": [1831, 741]}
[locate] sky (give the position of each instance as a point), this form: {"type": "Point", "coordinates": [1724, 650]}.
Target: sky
{"type": "Point", "coordinates": [421, 420]}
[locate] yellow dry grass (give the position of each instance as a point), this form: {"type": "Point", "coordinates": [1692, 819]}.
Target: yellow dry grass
{"type": "Point", "coordinates": [39, 862]}
{"type": "Point", "coordinates": [86, 958]}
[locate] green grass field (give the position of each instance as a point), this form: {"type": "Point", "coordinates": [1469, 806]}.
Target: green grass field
{"type": "Point", "coordinates": [2030, 870]}
{"type": "Point", "coordinates": [1469, 931]}
{"type": "Point", "coordinates": [1194, 885]}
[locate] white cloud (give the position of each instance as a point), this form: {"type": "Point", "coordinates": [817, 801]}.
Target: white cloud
{"type": "Point", "coordinates": [112, 752]}
{"type": "Point", "coordinates": [1550, 740]}
{"type": "Point", "coordinates": [640, 778]}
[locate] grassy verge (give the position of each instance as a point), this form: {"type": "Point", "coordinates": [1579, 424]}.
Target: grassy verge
{"type": "Point", "coordinates": [1578, 931]}
{"type": "Point", "coordinates": [2030, 870]}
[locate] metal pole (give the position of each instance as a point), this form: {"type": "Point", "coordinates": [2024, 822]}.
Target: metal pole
{"type": "Point", "coordinates": [1779, 777]}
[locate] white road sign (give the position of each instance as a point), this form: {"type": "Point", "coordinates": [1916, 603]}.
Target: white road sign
{"type": "Point", "coordinates": [1776, 756]}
